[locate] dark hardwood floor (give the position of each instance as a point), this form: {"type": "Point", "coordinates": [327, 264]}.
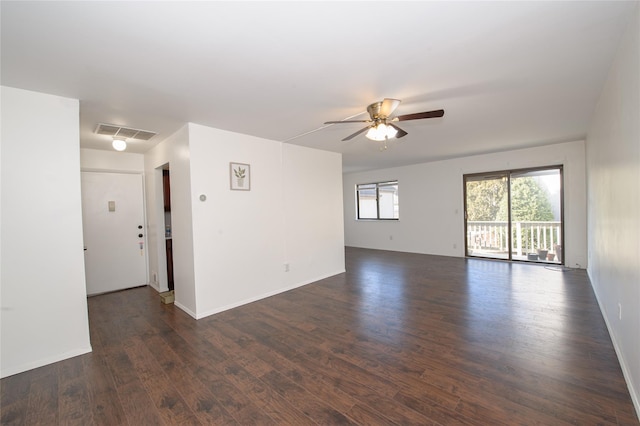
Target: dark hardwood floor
{"type": "Point", "coordinates": [399, 339]}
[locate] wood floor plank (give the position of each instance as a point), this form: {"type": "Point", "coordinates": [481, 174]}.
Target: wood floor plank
{"type": "Point", "coordinates": [14, 399]}
{"type": "Point", "coordinates": [239, 349]}
{"type": "Point", "coordinates": [288, 343]}
{"type": "Point", "coordinates": [316, 384]}
{"type": "Point", "coordinates": [168, 401]}
{"type": "Point", "coordinates": [138, 406]}
{"type": "Point", "coordinates": [197, 396]}
{"type": "Point", "coordinates": [104, 403]}
{"type": "Point", "coordinates": [437, 413]}
{"type": "Point", "coordinates": [73, 397]}
{"type": "Point", "coordinates": [270, 401]}
{"type": "Point", "coordinates": [365, 415]}
{"type": "Point", "coordinates": [240, 406]}
{"type": "Point", "coordinates": [342, 393]}
{"type": "Point", "coordinates": [304, 401]}
{"type": "Point", "coordinates": [399, 338]}
{"type": "Point", "coordinates": [42, 408]}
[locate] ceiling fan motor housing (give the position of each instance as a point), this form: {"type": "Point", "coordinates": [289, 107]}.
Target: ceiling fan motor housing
{"type": "Point", "coordinates": [374, 110]}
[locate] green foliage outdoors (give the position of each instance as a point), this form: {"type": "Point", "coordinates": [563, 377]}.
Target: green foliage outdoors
{"type": "Point", "coordinates": [529, 202]}
{"type": "Point", "coordinates": [487, 201]}
{"type": "Point", "coordinates": [484, 197]}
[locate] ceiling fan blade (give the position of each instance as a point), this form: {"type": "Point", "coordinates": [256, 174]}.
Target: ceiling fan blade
{"type": "Point", "coordinates": [388, 106]}
{"type": "Point", "coordinates": [347, 121]}
{"type": "Point", "coordinates": [355, 134]}
{"type": "Point", "coordinates": [401, 133]}
{"type": "Point", "coordinates": [420, 115]}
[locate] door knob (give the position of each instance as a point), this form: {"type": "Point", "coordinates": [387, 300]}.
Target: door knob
{"type": "Point", "coordinates": [139, 226]}
{"type": "Point", "coordinates": [139, 235]}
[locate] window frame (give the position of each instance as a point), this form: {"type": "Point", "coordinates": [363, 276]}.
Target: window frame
{"type": "Point", "coordinates": [509, 175]}
{"type": "Point", "coordinates": [377, 197]}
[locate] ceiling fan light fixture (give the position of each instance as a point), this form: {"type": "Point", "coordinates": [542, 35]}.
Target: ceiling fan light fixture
{"type": "Point", "coordinates": [119, 144]}
{"type": "Point", "coordinates": [381, 132]}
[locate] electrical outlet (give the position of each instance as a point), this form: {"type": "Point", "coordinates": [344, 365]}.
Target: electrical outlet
{"type": "Point", "coordinates": [155, 277]}
{"type": "Point", "coordinates": [455, 245]}
{"type": "Point", "coordinates": [286, 267]}
{"type": "Point", "coordinates": [619, 311]}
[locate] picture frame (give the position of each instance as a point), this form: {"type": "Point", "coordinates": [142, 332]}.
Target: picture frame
{"type": "Point", "coordinates": [240, 176]}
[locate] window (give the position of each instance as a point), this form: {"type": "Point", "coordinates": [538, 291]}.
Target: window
{"type": "Point", "coordinates": [515, 214]}
{"type": "Point", "coordinates": [378, 200]}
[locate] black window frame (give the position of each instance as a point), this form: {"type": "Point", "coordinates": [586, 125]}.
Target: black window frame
{"type": "Point", "coordinates": [377, 196]}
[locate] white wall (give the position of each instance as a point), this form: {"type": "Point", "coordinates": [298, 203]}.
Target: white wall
{"type": "Point", "coordinates": [613, 165]}
{"type": "Point", "coordinates": [242, 239]}
{"type": "Point", "coordinates": [312, 214]}
{"type": "Point", "coordinates": [111, 161]}
{"type": "Point", "coordinates": [175, 151]}
{"type": "Point", "coordinates": [431, 201]}
{"type": "Point", "coordinates": [43, 295]}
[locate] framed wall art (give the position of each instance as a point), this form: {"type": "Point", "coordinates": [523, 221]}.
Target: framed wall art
{"type": "Point", "coordinates": [240, 176]}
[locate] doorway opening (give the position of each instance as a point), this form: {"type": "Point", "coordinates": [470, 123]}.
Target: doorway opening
{"type": "Point", "coordinates": [114, 231]}
{"type": "Point", "coordinates": [515, 215]}
{"type": "Point", "coordinates": [166, 195]}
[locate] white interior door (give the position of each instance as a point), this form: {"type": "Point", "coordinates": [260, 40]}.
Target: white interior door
{"type": "Point", "coordinates": [113, 224]}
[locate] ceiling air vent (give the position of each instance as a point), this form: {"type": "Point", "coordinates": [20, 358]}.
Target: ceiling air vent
{"type": "Point", "coordinates": [124, 132]}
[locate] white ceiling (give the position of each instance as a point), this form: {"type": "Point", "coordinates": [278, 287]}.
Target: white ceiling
{"type": "Point", "coordinates": [507, 74]}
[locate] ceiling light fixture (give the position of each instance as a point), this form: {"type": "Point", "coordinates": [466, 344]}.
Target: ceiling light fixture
{"type": "Point", "coordinates": [381, 132]}
{"type": "Point", "coordinates": [119, 144]}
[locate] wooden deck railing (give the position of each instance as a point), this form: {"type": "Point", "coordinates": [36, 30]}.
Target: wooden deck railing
{"type": "Point", "coordinates": [527, 237]}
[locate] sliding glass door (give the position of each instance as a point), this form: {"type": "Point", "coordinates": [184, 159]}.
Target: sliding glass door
{"type": "Point", "coordinates": [487, 236]}
{"type": "Point", "coordinates": [515, 215]}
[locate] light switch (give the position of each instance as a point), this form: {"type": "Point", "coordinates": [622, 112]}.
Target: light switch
{"type": "Point", "coordinates": [112, 206]}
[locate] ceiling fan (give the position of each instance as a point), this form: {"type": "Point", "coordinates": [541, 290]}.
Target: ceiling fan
{"type": "Point", "coordinates": [381, 125]}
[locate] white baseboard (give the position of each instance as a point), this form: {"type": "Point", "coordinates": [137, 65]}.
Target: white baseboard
{"type": "Point", "coordinates": [262, 296]}
{"type": "Point", "coordinates": [184, 308]}
{"type": "Point", "coordinates": [635, 397]}
{"type": "Point", "coordinates": [10, 371]}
